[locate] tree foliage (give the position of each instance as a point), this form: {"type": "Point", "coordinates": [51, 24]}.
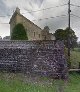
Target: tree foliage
{"type": "Point", "coordinates": [67, 36]}
{"type": "Point", "coordinates": [19, 33]}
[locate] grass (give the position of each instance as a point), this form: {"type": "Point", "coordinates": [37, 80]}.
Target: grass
{"type": "Point", "coordinates": [75, 58]}
{"type": "Point", "coordinates": [17, 83]}
{"type": "Point", "coordinates": [73, 84]}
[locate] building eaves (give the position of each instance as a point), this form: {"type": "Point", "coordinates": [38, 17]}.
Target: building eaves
{"type": "Point", "coordinates": [14, 15]}
{"type": "Point", "coordinates": [30, 21]}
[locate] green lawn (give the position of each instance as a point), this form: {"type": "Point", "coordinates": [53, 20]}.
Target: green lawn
{"type": "Point", "coordinates": [17, 83]}
{"type": "Point", "coordinates": [74, 83]}
{"type": "Point", "coordinates": [75, 58]}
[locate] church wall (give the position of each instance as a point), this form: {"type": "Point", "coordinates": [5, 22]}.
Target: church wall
{"type": "Point", "coordinates": [46, 35]}
{"type": "Point", "coordinates": [33, 32]}
{"type": "Point", "coordinates": [12, 24]}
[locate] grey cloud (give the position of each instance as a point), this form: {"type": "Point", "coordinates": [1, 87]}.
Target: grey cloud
{"type": "Point", "coordinates": [3, 8]}
{"type": "Point", "coordinates": [33, 2]}
{"type": "Point", "coordinates": [57, 22]}
{"type": "Point", "coordinates": [62, 22]}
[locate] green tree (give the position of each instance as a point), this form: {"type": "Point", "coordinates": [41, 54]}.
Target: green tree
{"type": "Point", "coordinates": [72, 38]}
{"type": "Point", "coordinates": [66, 35]}
{"type": "Point", "coordinates": [19, 33]}
{"type": "Point", "coordinates": [59, 34]}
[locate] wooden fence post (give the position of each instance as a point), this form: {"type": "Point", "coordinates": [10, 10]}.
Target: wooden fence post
{"type": "Point", "coordinates": [69, 65]}
{"type": "Point", "coordinates": [79, 67]}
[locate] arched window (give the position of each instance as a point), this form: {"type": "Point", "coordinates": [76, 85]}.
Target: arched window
{"type": "Point", "coordinates": [39, 35]}
{"type": "Point", "coordinates": [45, 38]}
{"type": "Point", "coordinates": [34, 34]}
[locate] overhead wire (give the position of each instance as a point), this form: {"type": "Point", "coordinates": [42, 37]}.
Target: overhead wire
{"type": "Point", "coordinates": [37, 10]}
{"type": "Point", "coordinates": [45, 8]}
{"type": "Point", "coordinates": [75, 15]}
{"type": "Point", "coordinates": [75, 5]}
{"type": "Point", "coordinates": [5, 15]}
{"type": "Point", "coordinates": [50, 17]}
{"type": "Point", "coordinates": [41, 10]}
{"type": "Point", "coordinates": [5, 23]}
{"type": "Point", "coordinates": [47, 18]}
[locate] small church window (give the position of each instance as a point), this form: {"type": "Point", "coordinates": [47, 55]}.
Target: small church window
{"type": "Point", "coordinates": [45, 38]}
{"type": "Point", "coordinates": [39, 35]}
{"type": "Point", "coordinates": [34, 34]}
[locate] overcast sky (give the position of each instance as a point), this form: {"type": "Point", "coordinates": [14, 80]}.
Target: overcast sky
{"type": "Point", "coordinates": [7, 7]}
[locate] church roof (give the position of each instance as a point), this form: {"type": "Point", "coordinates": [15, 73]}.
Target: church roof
{"type": "Point", "coordinates": [17, 11]}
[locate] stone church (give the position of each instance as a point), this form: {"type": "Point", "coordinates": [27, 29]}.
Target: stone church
{"type": "Point", "coordinates": [32, 30]}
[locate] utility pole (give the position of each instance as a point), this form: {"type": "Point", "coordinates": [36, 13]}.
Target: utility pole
{"type": "Point", "coordinates": [69, 29]}
{"type": "Point", "coordinates": [69, 13]}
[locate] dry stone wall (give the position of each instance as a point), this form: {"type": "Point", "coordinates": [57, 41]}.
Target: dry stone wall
{"type": "Point", "coordinates": [45, 58]}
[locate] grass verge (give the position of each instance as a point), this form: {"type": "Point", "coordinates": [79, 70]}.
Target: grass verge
{"type": "Point", "coordinates": [17, 83]}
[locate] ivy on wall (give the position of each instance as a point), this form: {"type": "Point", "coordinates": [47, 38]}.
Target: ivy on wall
{"type": "Point", "coordinates": [19, 33]}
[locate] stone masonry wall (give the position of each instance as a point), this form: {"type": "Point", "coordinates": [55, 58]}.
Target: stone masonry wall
{"type": "Point", "coordinates": [44, 58]}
